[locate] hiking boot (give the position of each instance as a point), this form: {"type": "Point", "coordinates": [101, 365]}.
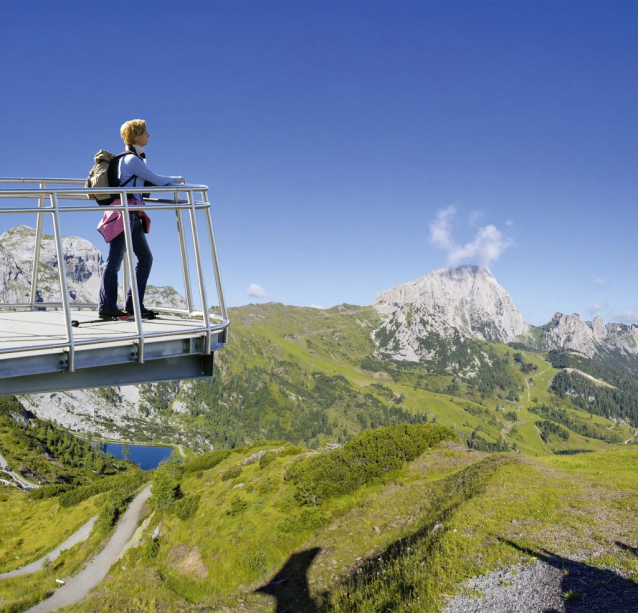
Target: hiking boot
{"type": "Point", "coordinates": [116, 314]}
{"type": "Point", "coordinates": [146, 313]}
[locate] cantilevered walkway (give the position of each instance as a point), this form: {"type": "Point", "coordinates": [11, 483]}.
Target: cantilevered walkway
{"type": "Point", "coordinates": [58, 346]}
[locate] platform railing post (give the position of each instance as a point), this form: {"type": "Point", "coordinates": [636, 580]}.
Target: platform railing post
{"type": "Point", "coordinates": [200, 272]}
{"type": "Point", "coordinates": [213, 247]}
{"type": "Point", "coordinates": [134, 289]}
{"type": "Point", "coordinates": [64, 288]}
{"type": "Point", "coordinates": [36, 253]}
{"type": "Point", "coordinates": [182, 246]}
{"type": "Point", "coordinates": [125, 278]}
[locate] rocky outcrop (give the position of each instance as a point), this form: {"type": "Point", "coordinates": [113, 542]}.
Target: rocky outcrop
{"type": "Point", "coordinates": [571, 332]}
{"type": "Point", "coordinates": [83, 262]}
{"type": "Point", "coordinates": [450, 302]}
{"type": "Point", "coordinates": [615, 344]}
{"type": "Point", "coordinates": [466, 298]}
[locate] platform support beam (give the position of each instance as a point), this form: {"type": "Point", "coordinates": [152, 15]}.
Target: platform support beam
{"type": "Point", "coordinates": [218, 277]}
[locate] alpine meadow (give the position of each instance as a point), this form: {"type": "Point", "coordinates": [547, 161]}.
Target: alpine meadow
{"type": "Point", "coordinates": [356, 458]}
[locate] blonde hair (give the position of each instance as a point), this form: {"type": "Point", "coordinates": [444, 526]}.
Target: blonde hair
{"type": "Point", "coordinates": [132, 129]}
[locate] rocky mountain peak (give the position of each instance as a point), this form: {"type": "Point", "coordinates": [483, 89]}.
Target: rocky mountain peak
{"type": "Point", "coordinates": [467, 298]}
{"type": "Point", "coordinates": [570, 332]}
{"type": "Point", "coordinates": [598, 327]}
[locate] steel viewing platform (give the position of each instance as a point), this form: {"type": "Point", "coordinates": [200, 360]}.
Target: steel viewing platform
{"type": "Point", "coordinates": [58, 346]}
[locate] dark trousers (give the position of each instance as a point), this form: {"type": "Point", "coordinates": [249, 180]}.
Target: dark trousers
{"type": "Point", "coordinates": [117, 248]}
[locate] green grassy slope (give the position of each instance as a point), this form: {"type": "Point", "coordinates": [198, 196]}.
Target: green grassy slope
{"type": "Point", "coordinates": [33, 524]}
{"type": "Point", "coordinates": [402, 542]}
{"type": "Point", "coordinates": [311, 377]}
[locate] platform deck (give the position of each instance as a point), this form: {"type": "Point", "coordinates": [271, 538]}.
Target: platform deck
{"type": "Point", "coordinates": [102, 356]}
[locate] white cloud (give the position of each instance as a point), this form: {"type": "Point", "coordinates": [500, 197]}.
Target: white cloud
{"type": "Point", "coordinates": [316, 306]}
{"type": "Point", "coordinates": [630, 316]}
{"type": "Point", "coordinates": [509, 223]}
{"type": "Point", "coordinates": [441, 228]}
{"type": "Point", "coordinates": [487, 246]}
{"type": "Point", "coordinates": [256, 291]}
{"type": "Point", "coordinates": [598, 281]}
{"type": "Point", "coordinates": [474, 218]}
{"type": "Point", "coordinates": [596, 308]}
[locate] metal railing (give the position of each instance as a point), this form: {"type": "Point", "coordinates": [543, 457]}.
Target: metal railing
{"type": "Point", "coordinates": [73, 190]}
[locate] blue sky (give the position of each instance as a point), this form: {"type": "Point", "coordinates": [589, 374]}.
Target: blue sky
{"type": "Point", "coordinates": [352, 146]}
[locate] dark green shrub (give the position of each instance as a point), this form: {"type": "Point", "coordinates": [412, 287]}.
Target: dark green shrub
{"type": "Point", "coordinates": [151, 549]}
{"type": "Point", "coordinates": [290, 450]}
{"type": "Point", "coordinates": [49, 491]}
{"type": "Point", "coordinates": [266, 459]}
{"type": "Point", "coordinates": [231, 473]}
{"type": "Point", "coordinates": [113, 507]}
{"type": "Point", "coordinates": [268, 487]}
{"type": "Point", "coordinates": [186, 507]}
{"type": "Point", "coordinates": [206, 461]}
{"type": "Point", "coordinates": [365, 459]}
{"type": "Point", "coordinates": [166, 487]}
{"type": "Point", "coordinates": [125, 483]}
{"type": "Point", "coordinates": [511, 416]}
{"type": "Point", "coordinates": [237, 505]}
{"type": "Point", "coordinates": [308, 519]}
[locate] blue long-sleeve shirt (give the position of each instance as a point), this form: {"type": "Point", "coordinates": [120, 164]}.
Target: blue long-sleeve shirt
{"type": "Point", "coordinates": [131, 165]}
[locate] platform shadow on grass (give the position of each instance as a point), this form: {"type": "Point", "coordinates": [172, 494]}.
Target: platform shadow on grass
{"type": "Point", "coordinates": [289, 587]}
{"type": "Point", "coordinates": [627, 548]}
{"type": "Point", "coordinates": [586, 588]}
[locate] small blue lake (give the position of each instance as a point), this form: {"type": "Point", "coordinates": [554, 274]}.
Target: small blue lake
{"type": "Point", "coordinates": [146, 457]}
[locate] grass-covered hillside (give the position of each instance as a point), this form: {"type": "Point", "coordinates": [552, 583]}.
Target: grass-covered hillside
{"type": "Point", "coordinates": [397, 519]}
{"type": "Point", "coordinates": [313, 377]}
{"type": "Point", "coordinates": [78, 482]}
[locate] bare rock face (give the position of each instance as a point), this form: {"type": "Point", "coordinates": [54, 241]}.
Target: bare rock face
{"type": "Point", "coordinates": [164, 296]}
{"type": "Point", "coordinates": [598, 327]}
{"type": "Point", "coordinates": [571, 332]}
{"type": "Point", "coordinates": [84, 267]}
{"type": "Point", "coordinates": [450, 305]}
{"type": "Point", "coordinates": [465, 301]}
{"type": "Point", "coordinates": [83, 262]}
{"type": "Point", "coordinates": [612, 343]}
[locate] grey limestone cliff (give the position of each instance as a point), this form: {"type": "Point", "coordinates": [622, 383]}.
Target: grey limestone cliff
{"type": "Point", "coordinates": [448, 302]}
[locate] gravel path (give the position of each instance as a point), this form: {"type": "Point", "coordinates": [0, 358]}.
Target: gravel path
{"type": "Point", "coordinates": [550, 585]}
{"type": "Point", "coordinates": [24, 483]}
{"type": "Point", "coordinates": [77, 537]}
{"type": "Point", "coordinates": [81, 584]}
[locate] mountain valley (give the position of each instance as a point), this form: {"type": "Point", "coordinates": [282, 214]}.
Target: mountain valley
{"type": "Point", "coordinates": [358, 458]}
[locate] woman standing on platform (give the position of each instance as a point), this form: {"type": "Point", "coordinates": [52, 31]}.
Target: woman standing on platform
{"type": "Point", "coordinates": [133, 172]}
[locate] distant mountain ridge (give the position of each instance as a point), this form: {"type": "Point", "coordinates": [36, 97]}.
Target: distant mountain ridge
{"type": "Point", "coordinates": [84, 267]}
{"type": "Point", "coordinates": [286, 367]}
{"type": "Point", "coordinates": [613, 343]}
{"type": "Point", "coordinates": [468, 302]}
{"type": "Point", "coordinates": [465, 300]}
